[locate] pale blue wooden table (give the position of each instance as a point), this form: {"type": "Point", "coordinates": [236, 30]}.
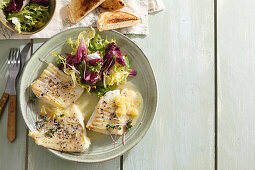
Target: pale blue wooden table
{"type": "Point", "coordinates": [202, 53]}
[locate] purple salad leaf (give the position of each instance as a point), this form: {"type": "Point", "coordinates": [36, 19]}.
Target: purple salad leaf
{"type": "Point", "coordinates": [41, 2]}
{"type": "Point", "coordinates": [112, 54]}
{"type": "Point", "coordinates": [132, 73]}
{"type": "Point", "coordinates": [15, 6]}
{"type": "Point", "coordinates": [94, 62]}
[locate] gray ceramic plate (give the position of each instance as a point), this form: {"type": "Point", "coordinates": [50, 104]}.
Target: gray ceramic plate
{"type": "Point", "coordinates": [100, 150]}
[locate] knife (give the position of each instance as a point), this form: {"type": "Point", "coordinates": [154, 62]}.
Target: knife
{"type": "Point", "coordinates": [23, 56]}
{"type": "Point", "coordinates": [5, 96]}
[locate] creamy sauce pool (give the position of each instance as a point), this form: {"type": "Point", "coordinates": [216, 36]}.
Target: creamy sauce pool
{"type": "Point", "coordinates": [88, 102]}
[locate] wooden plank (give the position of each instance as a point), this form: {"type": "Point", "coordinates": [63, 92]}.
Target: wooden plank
{"type": "Point", "coordinates": [40, 159]}
{"type": "Point", "coordinates": [12, 155]}
{"type": "Point", "coordinates": [236, 65]}
{"type": "Point", "coordinates": [180, 48]}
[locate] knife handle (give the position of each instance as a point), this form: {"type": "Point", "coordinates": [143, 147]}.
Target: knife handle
{"type": "Point", "coordinates": [3, 101]}
{"type": "Point", "coordinates": [11, 125]}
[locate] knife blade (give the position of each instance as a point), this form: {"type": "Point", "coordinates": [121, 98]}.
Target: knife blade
{"type": "Point", "coordinates": [23, 55]}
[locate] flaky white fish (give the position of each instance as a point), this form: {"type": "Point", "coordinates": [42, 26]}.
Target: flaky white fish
{"type": "Point", "coordinates": [68, 135]}
{"type": "Point", "coordinates": [55, 87]}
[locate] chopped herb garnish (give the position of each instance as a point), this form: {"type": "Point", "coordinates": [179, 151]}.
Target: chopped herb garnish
{"type": "Point", "coordinates": [44, 118]}
{"type": "Point", "coordinates": [32, 99]}
{"type": "Point", "coordinates": [54, 129]}
{"type": "Point", "coordinates": [55, 120]}
{"type": "Point", "coordinates": [129, 125]}
{"type": "Point", "coordinates": [48, 133]}
{"type": "Point", "coordinates": [37, 123]}
{"type": "Point", "coordinates": [62, 115]}
{"type": "Point", "coordinates": [51, 132]}
{"type": "Point", "coordinates": [108, 127]}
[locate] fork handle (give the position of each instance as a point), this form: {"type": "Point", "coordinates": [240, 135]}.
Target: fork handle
{"type": "Point", "coordinates": [11, 125]}
{"type": "Point", "coordinates": [3, 101]}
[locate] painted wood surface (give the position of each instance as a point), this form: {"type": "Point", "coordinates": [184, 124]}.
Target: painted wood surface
{"type": "Point", "coordinates": [236, 94]}
{"type": "Point", "coordinates": [40, 159]}
{"type": "Point", "coordinates": [12, 155]}
{"type": "Point", "coordinates": [180, 48]}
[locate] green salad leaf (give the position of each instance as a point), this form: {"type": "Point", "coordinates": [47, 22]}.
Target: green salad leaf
{"type": "Point", "coordinates": [118, 75]}
{"type": "Point", "coordinates": [100, 91]}
{"type": "Point", "coordinates": [32, 17]}
{"type": "Point", "coordinates": [98, 44]}
{"type": "Point", "coordinates": [4, 3]}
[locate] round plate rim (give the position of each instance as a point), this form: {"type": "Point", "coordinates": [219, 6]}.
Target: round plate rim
{"type": "Point", "coordinates": [138, 139]}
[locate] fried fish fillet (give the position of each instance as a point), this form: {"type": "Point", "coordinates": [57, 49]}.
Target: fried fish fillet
{"type": "Point", "coordinates": [68, 135]}
{"type": "Point", "coordinates": [104, 115]}
{"type": "Point", "coordinates": [55, 87]}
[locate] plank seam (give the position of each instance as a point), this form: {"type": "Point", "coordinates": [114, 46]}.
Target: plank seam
{"type": "Point", "coordinates": [26, 158]}
{"type": "Point", "coordinates": [216, 86]}
{"type": "Point", "coordinates": [121, 162]}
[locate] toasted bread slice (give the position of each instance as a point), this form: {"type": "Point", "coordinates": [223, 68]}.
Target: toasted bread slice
{"type": "Point", "coordinates": [113, 5]}
{"type": "Point", "coordinates": [77, 9]}
{"type": "Point", "coordinates": [115, 20]}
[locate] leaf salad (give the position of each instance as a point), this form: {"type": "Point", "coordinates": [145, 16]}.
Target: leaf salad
{"type": "Point", "coordinates": [96, 64]}
{"type": "Point", "coordinates": [26, 15]}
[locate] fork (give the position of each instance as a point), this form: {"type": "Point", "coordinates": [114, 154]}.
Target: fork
{"type": "Point", "coordinates": [13, 68]}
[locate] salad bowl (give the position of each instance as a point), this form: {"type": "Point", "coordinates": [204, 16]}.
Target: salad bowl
{"type": "Point", "coordinates": [101, 148]}
{"type": "Point", "coordinates": [10, 26]}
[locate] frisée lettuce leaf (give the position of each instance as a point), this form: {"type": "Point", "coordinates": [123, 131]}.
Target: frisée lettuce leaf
{"type": "Point", "coordinates": [32, 17]}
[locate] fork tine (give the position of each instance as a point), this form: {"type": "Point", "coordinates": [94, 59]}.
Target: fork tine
{"type": "Point", "coordinates": [13, 56]}
{"type": "Point", "coordinates": [10, 56]}
{"type": "Point", "coordinates": [18, 56]}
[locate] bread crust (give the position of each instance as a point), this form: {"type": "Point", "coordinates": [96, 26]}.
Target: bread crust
{"type": "Point", "coordinates": [115, 20]}
{"type": "Point", "coordinates": [113, 5]}
{"type": "Point", "coordinates": [77, 9]}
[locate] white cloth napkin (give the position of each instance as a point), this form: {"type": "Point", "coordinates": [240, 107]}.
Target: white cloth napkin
{"type": "Point", "coordinates": [60, 22]}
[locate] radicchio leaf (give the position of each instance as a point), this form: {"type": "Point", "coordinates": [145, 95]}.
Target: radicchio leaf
{"type": "Point", "coordinates": [81, 51]}
{"type": "Point", "coordinates": [41, 2]}
{"type": "Point", "coordinates": [112, 54]}
{"type": "Point", "coordinates": [15, 6]}
{"type": "Point", "coordinates": [95, 55]}
{"type": "Point", "coordinates": [94, 62]}
{"type": "Point", "coordinates": [132, 73]}
{"type": "Point", "coordinates": [92, 77]}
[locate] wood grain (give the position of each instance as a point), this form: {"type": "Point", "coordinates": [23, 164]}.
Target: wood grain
{"type": "Point", "coordinates": [236, 96]}
{"type": "Point", "coordinates": [3, 102]}
{"type": "Point", "coordinates": [12, 155]}
{"type": "Point", "coordinates": [40, 159]}
{"type": "Point", "coordinates": [180, 48]}
{"type": "Point", "coordinates": [11, 125]}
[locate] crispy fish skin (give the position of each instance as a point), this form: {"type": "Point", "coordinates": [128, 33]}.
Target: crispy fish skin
{"type": "Point", "coordinates": [105, 114]}
{"type": "Point", "coordinates": [70, 135]}
{"type": "Point", "coordinates": [55, 87]}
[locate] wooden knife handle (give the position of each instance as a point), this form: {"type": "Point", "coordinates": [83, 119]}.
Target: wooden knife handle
{"type": "Point", "coordinates": [3, 101]}
{"type": "Point", "coordinates": [11, 125]}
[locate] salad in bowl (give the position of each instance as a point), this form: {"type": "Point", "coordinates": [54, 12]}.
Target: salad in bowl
{"type": "Point", "coordinates": [26, 16]}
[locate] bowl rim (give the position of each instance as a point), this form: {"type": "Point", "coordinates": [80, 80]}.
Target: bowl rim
{"type": "Point", "coordinates": [139, 137]}
{"type": "Point", "coordinates": [34, 32]}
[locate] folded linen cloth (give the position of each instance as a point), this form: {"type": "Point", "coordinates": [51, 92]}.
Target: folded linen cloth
{"type": "Point", "coordinates": [60, 21]}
